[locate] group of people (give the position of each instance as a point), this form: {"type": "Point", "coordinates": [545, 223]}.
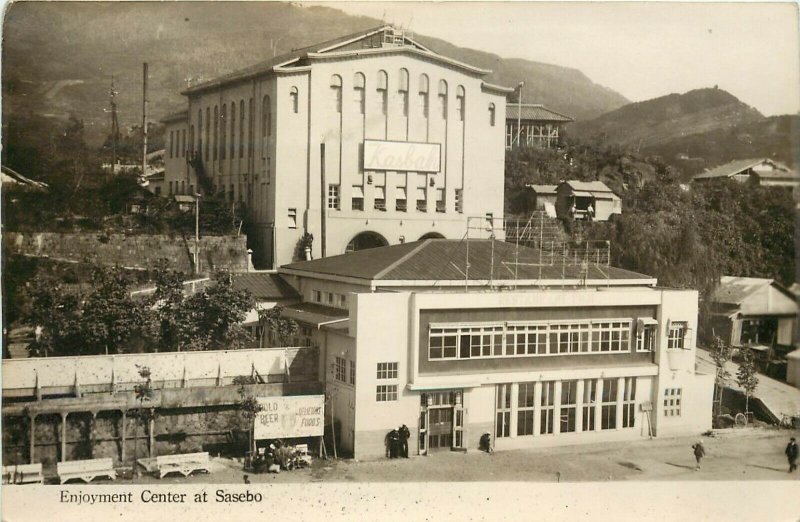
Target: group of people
{"type": "Point", "coordinates": [276, 457]}
{"type": "Point", "coordinates": [791, 453]}
{"type": "Point", "coordinates": [397, 442]}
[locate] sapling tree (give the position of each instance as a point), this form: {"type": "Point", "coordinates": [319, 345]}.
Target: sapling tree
{"type": "Point", "coordinates": [747, 376]}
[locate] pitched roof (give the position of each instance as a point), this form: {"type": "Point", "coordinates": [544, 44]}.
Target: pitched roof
{"type": "Point", "coordinates": [734, 290]}
{"type": "Point", "coordinates": [732, 168]}
{"type": "Point", "coordinates": [591, 188]}
{"type": "Point", "coordinates": [534, 111]}
{"type": "Point", "coordinates": [543, 189]}
{"type": "Point", "coordinates": [444, 260]}
{"type": "Point", "coordinates": [264, 286]}
{"type": "Point", "coordinates": [314, 314]}
{"type": "Point", "coordinates": [296, 54]}
{"type": "Point", "coordinates": [10, 175]}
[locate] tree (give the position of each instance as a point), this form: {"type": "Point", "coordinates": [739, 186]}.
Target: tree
{"type": "Point", "coordinates": [165, 305]}
{"type": "Point", "coordinates": [272, 320]}
{"type": "Point", "coordinates": [721, 354]}
{"type": "Point", "coordinates": [55, 315]}
{"type": "Point", "coordinates": [249, 408]}
{"type": "Point", "coordinates": [112, 321]}
{"type": "Point", "coordinates": [746, 376]}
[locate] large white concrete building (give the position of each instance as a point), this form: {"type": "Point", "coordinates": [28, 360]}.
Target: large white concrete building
{"type": "Point", "coordinates": [536, 354]}
{"type": "Point", "coordinates": [370, 139]}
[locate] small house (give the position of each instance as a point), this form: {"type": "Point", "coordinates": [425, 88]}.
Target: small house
{"type": "Point", "coordinates": [763, 171]}
{"type": "Point", "coordinates": [587, 200]}
{"type": "Point", "coordinates": [543, 197]}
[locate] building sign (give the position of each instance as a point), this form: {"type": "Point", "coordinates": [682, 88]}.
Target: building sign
{"type": "Point", "coordinates": [402, 156]}
{"type": "Point", "coordinates": [286, 417]}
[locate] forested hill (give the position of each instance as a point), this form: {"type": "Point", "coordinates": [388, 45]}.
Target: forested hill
{"type": "Point", "coordinates": [58, 57]}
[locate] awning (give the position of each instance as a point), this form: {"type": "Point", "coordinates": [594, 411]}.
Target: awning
{"type": "Point", "coordinates": [358, 191]}
{"type": "Point", "coordinates": [380, 193]}
{"type": "Point", "coordinates": [400, 193]}
{"type": "Point", "coordinates": [314, 314]}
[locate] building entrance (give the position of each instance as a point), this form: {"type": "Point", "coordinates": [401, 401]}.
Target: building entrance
{"type": "Point", "coordinates": [441, 428]}
{"type": "Point", "coordinates": [441, 422]}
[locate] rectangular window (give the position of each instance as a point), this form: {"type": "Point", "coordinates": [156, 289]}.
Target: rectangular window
{"type": "Point", "coordinates": [380, 198]}
{"type": "Point", "coordinates": [672, 402]}
{"type": "Point", "coordinates": [183, 143]}
{"type": "Point", "coordinates": [677, 335]}
{"type": "Point", "coordinates": [589, 400]}
{"type": "Point", "coordinates": [171, 143]}
{"type": "Point", "coordinates": [525, 408]}
{"type": "Point", "coordinates": [612, 336]}
{"type": "Point", "coordinates": [333, 197]}
{"type": "Point", "coordinates": [608, 414]}
{"type": "Point", "coordinates": [442, 343]}
{"type": "Point", "coordinates": [340, 369]}
{"type": "Point", "coordinates": [316, 296]}
{"type": "Point", "coordinates": [422, 199]}
{"type": "Point", "coordinates": [503, 411]}
{"type": "Point", "coordinates": [353, 372]}
{"type": "Point", "coordinates": [440, 200]}
{"type": "Point", "coordinates": [401, 203]}
{"type": "Point", "coordinates": [646, 337]}
{"type": "Point", "coordinates": [548, 407]}
{"type": "Point", "coordinates": [569, 404]}
{"type": "Point", "coordinates": [387, 370]}
{"type": "Point", "coordinates": [386, 392]}
{"type": "Point", "coordinates": [170, 188]}
{"type": "Point", "coordinates": [629, 403]}
{"type": "Point", "coordinates": [292, 218]}
{"type": "Point", "coordinates": [357, 197]}
{"type": "Point", "coordinates": [459, 201]}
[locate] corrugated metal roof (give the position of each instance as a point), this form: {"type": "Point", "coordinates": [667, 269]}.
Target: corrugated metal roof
{"type": "Point", "coordinates": [588, 186]}
{"type": "Point", "coordinates": [444, 260]}
{"type": "Point", "coordinates": [734, 290]}
{"type": "Point", "coordinates": [313, 313]}
{"type": "Point", "coordinates": [264, 286]}
{"type": "Point", "coordinates": [729, 169]}
{"type": "Point", "coordinates": [535, 112]}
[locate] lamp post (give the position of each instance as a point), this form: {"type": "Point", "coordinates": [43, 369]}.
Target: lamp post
{"type": "Point", "coordinates": [519, 111]}
{"type": "Point", "coordinates": [196, 232]}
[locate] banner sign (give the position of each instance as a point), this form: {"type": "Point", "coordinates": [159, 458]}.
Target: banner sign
{"type": "Point", "coordinates": [402, 156]}
{"type": "Point", "coordinates": [287, 417]}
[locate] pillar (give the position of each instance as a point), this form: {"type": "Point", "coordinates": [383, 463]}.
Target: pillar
{"type": "Point", "coordinates": [152, 433]}
{"type": "Point", "coordinates": [92, 433]}
{"type": "Point", "coordinates": [579, 406]}
{"type": "Point", "coordinates": [122, 446]}
{"type": "Point", "coordinates": [33, 437]}
{"type": "Point", "coordinates": [64, 436]}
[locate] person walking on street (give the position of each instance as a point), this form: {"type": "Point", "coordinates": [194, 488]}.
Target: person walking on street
{"type": "Point", "coordinates": [791, 454]}
{"type": "Point", "coordinates": [699, 453]}
{"type": "Point", "coordinates": [404, 436]}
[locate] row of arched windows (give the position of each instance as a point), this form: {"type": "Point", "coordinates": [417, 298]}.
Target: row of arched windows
{"type": "Point", "coordinates": [212, 139]}
{"type": "Point", "coordinates": [359, 87]}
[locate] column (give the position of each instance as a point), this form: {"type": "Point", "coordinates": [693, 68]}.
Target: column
{"type": "Point", "coordinates": [598, 406]}
{"type": "Point", "coordinates": [579, 407]}
{"type": "Point", "coordinates": [151, 430]}
{"type": "Point", "coordinates": [64, 436]}
{"type": "Point", "coordinates": [537, 402]}
{"type": "Point", "coordinates": [92, 433]}
{"type": "Point", "coordinates": [122, 445]}
{"type": "Point", "coordinates": [32, 419]}
{"type": "Point", "coordinates": [620, 396]}
{"type": "Point", "coordinates": [513, 415]}
{"type": "Point", "coordinates": [557, 408]}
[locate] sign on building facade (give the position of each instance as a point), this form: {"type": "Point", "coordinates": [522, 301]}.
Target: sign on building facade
{"type": "Point", "coordinates": [402, 156]}
{"type": "Point", "coordinates": [287, 417]}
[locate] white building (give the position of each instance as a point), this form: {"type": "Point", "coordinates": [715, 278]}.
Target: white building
{"type": "Point", "coordinates": [370, 139]}
{"type": "Point", "coordinates": [556, 355]}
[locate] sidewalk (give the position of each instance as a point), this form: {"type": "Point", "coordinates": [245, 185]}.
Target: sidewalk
{"type": "Point", "coordinates": [778, 396]}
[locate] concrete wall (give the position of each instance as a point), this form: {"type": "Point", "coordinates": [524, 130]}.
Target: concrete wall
{"type": "Point", "coordinates": [134, 251]}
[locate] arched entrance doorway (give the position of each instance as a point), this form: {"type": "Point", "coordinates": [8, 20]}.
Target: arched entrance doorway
{"type": "Point", "coordinates": [366, 240]}
{"type": "Point", "coordinates": [432, 235]}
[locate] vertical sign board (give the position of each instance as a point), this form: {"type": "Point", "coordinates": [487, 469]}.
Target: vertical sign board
{"type": "Point", "coordinates": [402, 156]}
{"type": "Point", "coordinates": [287, 417]}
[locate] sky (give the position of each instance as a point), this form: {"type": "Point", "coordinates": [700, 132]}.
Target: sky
{"type": "Point", "coordinates": [640, 49]}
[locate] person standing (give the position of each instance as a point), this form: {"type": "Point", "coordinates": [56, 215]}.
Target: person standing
{"type": "Point", "coordinates": [394, 443]}
{"type": "Point", "coordinates": [791, 454]}
{"type": "Point", "coordinates": [404, 436]}
{"type": "Point", "coordinates": [699, 453]}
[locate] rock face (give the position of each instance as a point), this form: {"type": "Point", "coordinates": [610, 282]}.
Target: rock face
{"type": "Point", "coordinates": [134, 251]}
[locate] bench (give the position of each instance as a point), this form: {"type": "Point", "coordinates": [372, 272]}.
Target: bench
{"type": "Point", "coordinates": [184, 464]}
{"type": "Point", "coordinates": [86, 470]}
{"type": "Point", "coordinates": [23, 474]}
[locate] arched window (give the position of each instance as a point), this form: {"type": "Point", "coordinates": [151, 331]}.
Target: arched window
{"type": "Point", "coordinates": [423, 94]}
{"type": "Point", "coordinates": [241, 128]}
{"type": "Point", "coordinates": [443, 98]}
{"type": "Point", "coordinates": [216, 131]}
{"type": "Point", "coordinates": [199, 132]}
{"type": "Point", "coordinates": [460, 106]}
{"type": "Point", "coordinates": [336, 92]}
{"type": "Point", "coordinates": [208, 130]}
{"type": "Point", "coordinates": [383, 93]}
{"type": "Point", "coordinates": [266, 117]}
{"type": "Point", "coordinates": [295, 98]}
{"type": "Point", "coordinates": [402, 90]}
{"type": "Point", "coordinates": [359, 83]}
{"type": "Point", "coordinates": [233, 130]}
{"type": "Point", "coordinates": [223, 131]}
{"type": "Point", "coordinates": [491, 114]}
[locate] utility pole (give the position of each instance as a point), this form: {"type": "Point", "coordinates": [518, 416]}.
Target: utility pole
{"type": "Point", "coordinates": [519, 112]}
{"type": "Point", "coordinates": [144, 122]}
{"type": "Point", "coordinates": [196, 232]}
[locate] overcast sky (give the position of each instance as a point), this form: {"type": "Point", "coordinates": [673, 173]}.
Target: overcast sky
{"type": "Point", "coordinates": [642, 50]}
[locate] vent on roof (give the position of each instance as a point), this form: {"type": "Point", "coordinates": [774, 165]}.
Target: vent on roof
{"type": "Point", "coordinates": [394, 37]}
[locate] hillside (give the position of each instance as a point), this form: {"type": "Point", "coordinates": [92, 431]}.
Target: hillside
{"type": "Point", "coordinates": [667, 118]}
{"type": "Point", "coordinates": [58, 58]}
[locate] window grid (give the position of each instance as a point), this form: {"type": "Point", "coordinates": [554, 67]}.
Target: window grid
{"type": "Point", "coordinates": [353, 373]}
{"type": "Point", "coordinates": [333, 197]}
{"type": "Point", "coordinates": [534, 339]}
{"type": "Point", "coordinates": [608, 412]}
{"type": "Point", "coordinates": [676, 338]}
{"type": "Point", "coordinates": [525, 408]}
{"type": "Point", "coordinates": [386, 392]}
{"type": "Point", "coordinates": [547, 407]}
{"type": "Point", "coordinates": [569, 404]}
{"type": "Point", "coordinates": [340, 369]}
{"type": "Point", "coordinates": [503, 411]}
{"type": "Point", "coordinates": [387, 370]}
{"type": "Point", "coordinates": [672, 402]}
{"type": "Point", "coordinates": [629, 403]}
{"type": "Point", "coordinates": [589, 400]}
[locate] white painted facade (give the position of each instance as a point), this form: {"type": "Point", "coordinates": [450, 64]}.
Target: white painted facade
{"type": "Point", "coordinates": [287, 143]}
